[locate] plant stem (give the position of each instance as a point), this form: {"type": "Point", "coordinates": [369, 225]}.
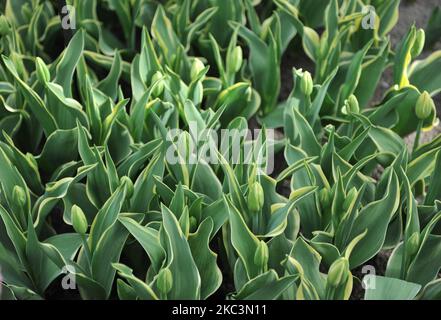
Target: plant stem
{"type": "Point", "coordinates": [255, 222]}
{"type": "Point", "coordinates": [87, 252]}
{"type": "Point", "coordinates": [351, 128]}
{"type": "Point", "coordinates": [418, 135]}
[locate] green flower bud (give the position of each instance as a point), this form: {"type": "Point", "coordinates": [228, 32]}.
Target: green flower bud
{"type": "Point", "coordinates": [350, 197]}
{"type": "Point", "coordinates": [255, 197]}
{"type": "Point", "coordinates": [338, 272]}
{"type": "Point", "coordinates": [18, 197]}
{"type": "Point", "coordinates": [236, 59]}
{"type": "Point", "coordinates": [418, 45]}
{"type": "Point", "coordinates": [5, 27]}
{"type": "Point", "coordinates": [159, 88]}
{"type": "Point", "coordinates": [413, 244]}
{"type": "Point", "coordinates": [261, 256]}
{"type": "Point", "coordinates": [351, 105]}
{"type": "Point", "coordinates": [424, 106]}
{"type": "Point", "coordinates": [196, 68]}
{"type": "Point", "coordinates": [129, 186]}
{"type": "Point", "coordinates": [164, 282]}
{"type": "Point", "coordinates": [306, 84]}
{"type": "Point", "coordinates": [79, 221]}
{"type": "Point", "coordinates": [30, 157]}
{"type": "Point", "coordinates": [43, 73]}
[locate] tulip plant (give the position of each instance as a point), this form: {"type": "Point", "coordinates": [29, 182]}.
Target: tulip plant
{"type": "Point", "coordinates": [93, 207]}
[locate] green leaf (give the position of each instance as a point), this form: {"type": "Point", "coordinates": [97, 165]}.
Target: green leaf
{"type": "Point", "coordinates": [267, 286]}
{"type": "Point", "coordinates": [66, 66]}
{"type": "Point", "coordinates": [374, 217]}
{"type": "Point", "coordinates": [278, 220]}
{"type": "Point", "coordinates": [34, 101]}
{"type": "Point", "coordinates": [205, 258]}
{"type": "Point", "coordinates": [54, 193]}
{"type": "Point", "coordinates": [388, 12]}
{"type": "Point", "coordinates": [313, 285]}
{"type": "Point", "coordinates": [243, 241]}
{"type": "Point", "coordinates": [107, 251]}
{"type": "Point", "coordinates": [423, 74]}
{"type": "Point", "coordinates": [10, 178]}
{"type": "Point", "coordinates": [371, 71]}
{"type": "Point", "coordinates": [422, 167]}
{"type": "Point", "coordinates": [144, 184]}
{"type": "Point", "coordinates": [353, 74]}
{"type": "Point", "coordinates": [186, 281]}
{"type": "Point", "coordinates": [51, 158]}
{"type": "Point", "coordinates": [123, 9]}
{"type": "Point", "coordinates": [148, 238]}
{"type": "Point", "coordinates": [301, 134]}
{"type": "Point", "coordinates": [433, 29]}
{"type": "Point", "coordinates": [205, 181]}
{"type": "Point", "coordinates": [107, 216]}
{"type": "Point", "coordinates": [141, 289]}
{"type": "Point", "coordinates": [432, 291]}
{"type": "Point", "coordinates": [434, 192]}
{"type": "Point", "coordinates": [109, 85]}
{"type": "Point", "coordinates": [162, 31]}
{"type": "Point", "coordinates": [384, 288]}
{"type": "Point", "coordinates": [66, 111]}
{"type": "Point", "coordinates": [264, 64]}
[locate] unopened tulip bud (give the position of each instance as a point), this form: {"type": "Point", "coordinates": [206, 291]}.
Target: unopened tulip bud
{"type": "Point", "coordinates": [30, 157]}
{"type": "Point", "coordinates": [338, 272]}
{"type": "Point", "coordinates": [418, 45]}
{"type": "Point", "coordinates": [424, 106]}
{"type": "Point", "coordinates": [5, 27]}
{"type": "Point", "coordinates": [306, 84]}
{"type": "Point", "coordinates": [236, 58]}
{"type": "Point", "coordinates": [79, 221]}
{"type": "Point", "coordinates": [159, 88]}
{"type": "Point", "coordinates": [351, 105]}
{"type": "Point", "coordinates": [196, 68]}
{"type": "Point", "coordinates": [18, 197]}
{"type": "Point", "coordinates": [164, 282]}
{"type": "Point", "coordinates": [261, 256]}
{"type": "Point", "coordinates": [255, 197]}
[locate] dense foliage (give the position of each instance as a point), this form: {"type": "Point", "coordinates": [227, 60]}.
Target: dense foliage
{"type": "Point", "coordinates": [87, 192]}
